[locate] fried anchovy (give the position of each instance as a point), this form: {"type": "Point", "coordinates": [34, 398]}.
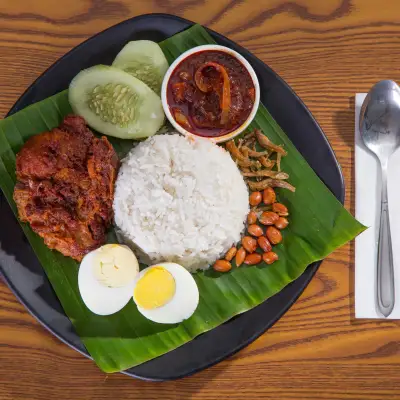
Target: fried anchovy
{"type": "Point", "coordinates": [267, 144]}
{"type": "Point", "coordinates": [258, 186]}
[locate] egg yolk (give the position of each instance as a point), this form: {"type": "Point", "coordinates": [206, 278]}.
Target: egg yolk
{"type": "Point", "coordinates": [155, 288]}
{"type": "Point", "coordinates": [114, 265]}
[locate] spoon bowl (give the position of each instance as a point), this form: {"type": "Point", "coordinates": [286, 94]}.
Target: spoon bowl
{"type": "Point", "coordinates": [380, 119]}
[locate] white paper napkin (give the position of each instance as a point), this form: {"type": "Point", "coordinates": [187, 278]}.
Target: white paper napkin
{"type": "Point", "coordinates": [368, 186]}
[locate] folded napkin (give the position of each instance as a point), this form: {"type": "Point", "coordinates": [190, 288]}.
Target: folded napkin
{"type": "Point", "coordinates": [368, 195]}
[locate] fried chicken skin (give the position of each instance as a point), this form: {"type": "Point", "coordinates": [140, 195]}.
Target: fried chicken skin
{"type": "Point", "coordinates": [65, 187]}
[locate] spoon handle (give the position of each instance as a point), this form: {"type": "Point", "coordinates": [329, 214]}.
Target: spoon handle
{"type": "Point", "coordinates": [385, 281]}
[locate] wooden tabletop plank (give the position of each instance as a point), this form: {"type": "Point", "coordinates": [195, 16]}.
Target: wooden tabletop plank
{"type": "Point", "coordinates": [326, 51]}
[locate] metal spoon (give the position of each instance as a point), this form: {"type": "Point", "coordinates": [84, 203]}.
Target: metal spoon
{"type": "Point", "coordinates": [380, 130]}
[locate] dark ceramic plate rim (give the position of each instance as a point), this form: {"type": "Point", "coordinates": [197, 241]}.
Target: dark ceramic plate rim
{"type": "Point", "coordinates": [310, 271]}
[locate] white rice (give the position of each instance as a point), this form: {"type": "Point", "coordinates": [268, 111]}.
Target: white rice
{"type": "Point", "coordinates": [180, 200]}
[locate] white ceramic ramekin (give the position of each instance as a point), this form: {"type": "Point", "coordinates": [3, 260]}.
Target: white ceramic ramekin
{"type": "Point", "coordinates": [198, 49]}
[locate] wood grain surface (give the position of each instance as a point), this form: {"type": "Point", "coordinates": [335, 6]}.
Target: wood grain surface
{"type": "Point", "coordinates": [327, 50]}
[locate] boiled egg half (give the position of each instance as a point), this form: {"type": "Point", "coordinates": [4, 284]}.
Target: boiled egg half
{"type": "Point", "coordinates": [106, 278]}
{"type": "Point", "coordinates": [166, 293]}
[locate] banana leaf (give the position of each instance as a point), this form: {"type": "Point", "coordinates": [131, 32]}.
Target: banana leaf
{"type": "Point", "coordinates": [126, 339]}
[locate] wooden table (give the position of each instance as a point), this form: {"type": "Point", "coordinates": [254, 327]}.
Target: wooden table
{"type": "Point", "coordinates": [327, 50]}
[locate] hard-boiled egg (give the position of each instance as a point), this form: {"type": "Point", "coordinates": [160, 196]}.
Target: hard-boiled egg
{"type": "Point", "coordinates": [106, 278]}
{"type": "Point", "coordinates": [166, 293]}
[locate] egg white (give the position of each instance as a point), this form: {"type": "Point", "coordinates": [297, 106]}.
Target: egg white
{"type": "Point", "coordinates": [100, 299]}
{"type": "Point", "coordinates": [184, 302]}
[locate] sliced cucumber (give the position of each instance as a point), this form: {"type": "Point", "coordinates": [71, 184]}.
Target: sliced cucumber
{"type": "Point", "coordinates": [144, 60]}
{"type": "Point", "coordinates": [115, 103]}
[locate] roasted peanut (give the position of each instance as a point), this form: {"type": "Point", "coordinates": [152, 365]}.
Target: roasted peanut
{"type": "Point", "coordinates": [268, 218]}
{"type": "Point", "coordinates": [270, 257]}
{"type": "Point", "coordinates": [230, 253]}
{"type": "Point", "coordinates": [273, 235]}
{"type": "Point", "coordinates": [280, 209]}
{"type": "Point", "coordinates": [222, 266]}
{"type": "Point", "coordinates": [282, 223]}
{"type": "Point", "coordinates": [253, 259]}
{"type": "Point", "coordinates": [264, 243]}
{"type": "Point", "coordinates": [249, 244]}
{"type": "Point", "coordinates": [251, 218]}
{"type": "Point", "coordinates": [269, 196]}
{"type": "Point", "coordinates": [255, 230]}
{"type": "Point", "coordinates": [240, 256]}
{"type": "Point", "coordinates": [255, 198]}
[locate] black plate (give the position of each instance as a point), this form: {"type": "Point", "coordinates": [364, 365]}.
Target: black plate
{"type": "Point", "coordinates": [24, 274]}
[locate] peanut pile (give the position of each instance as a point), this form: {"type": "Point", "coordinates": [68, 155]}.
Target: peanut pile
{"type": "Point", "coordinates": [263, 232]}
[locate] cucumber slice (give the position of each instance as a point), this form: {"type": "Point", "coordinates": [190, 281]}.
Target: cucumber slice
{"type": "Point", "coordinates": [115, 103]}
{"type": "Point", "coordinates": [144, 60]}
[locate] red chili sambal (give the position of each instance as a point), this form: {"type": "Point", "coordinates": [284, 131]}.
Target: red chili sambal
{"type": "Point", "coordinates": [210, 93]}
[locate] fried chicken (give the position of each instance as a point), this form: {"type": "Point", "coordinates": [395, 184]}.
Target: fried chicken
{"type": "Point", "coordinates": [65, 187]}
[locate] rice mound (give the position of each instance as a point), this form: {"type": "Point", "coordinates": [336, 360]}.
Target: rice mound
{"type": "Point", "coordinates": [180, 200]}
